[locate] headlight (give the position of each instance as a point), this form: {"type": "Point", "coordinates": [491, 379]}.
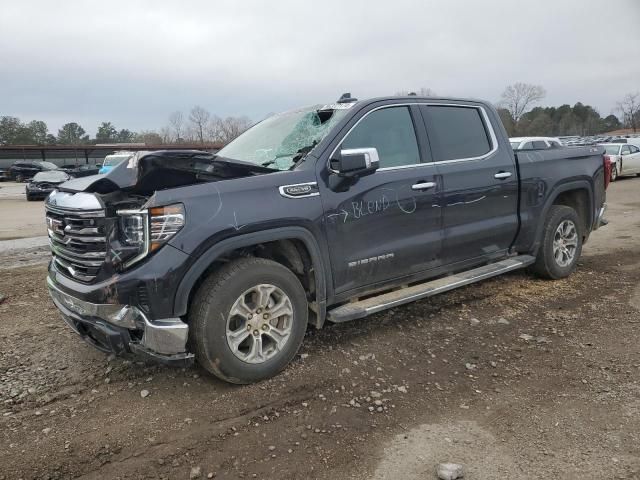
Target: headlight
{"type": "Point", "coordinates": [144, 231]}
{"type": "Point", "coordinates": [165, 223]}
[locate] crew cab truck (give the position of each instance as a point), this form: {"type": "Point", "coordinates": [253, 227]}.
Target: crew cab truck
{"type": "Point", "coordinates": [326, 213]}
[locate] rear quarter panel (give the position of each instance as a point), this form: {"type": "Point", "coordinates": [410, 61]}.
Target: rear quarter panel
{"type": "Point", "coordinates": [545, 174]}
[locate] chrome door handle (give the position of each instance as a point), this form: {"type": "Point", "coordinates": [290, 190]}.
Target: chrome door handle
{"type": "Point", "coordinates": [501, 175]}
{"type": "Point", "coordinates": [423, 185]}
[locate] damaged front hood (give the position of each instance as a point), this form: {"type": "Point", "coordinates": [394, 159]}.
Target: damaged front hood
{"type": "Point", "coordinates": [148, 172]}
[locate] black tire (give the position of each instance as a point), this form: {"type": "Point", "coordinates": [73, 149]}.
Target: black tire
{"type": "Point", "coordinates": [546, 265]}
{"type": "Point", "coordinates": [614, 173]}
{"type": "Point", "coordinates": [210, 309]}
{"type": "Point", "coordinates": [29, 198]}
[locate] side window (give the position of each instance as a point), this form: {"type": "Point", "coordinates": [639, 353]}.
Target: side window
{"type": "Point", "coordinates": [554, 144]}
{"type": "Point", "coordinates": [634, 149]}
{"type": "Point", "coordinates": [527, 146]}
{"type": "Point", "coordinates": [539, 144]}
{"type": "Point", "coordinates": [625, 150]}
{"type": "Point", "coordinates": [456, 132]}
{"type": "Point", "coordinates": [390, 131]}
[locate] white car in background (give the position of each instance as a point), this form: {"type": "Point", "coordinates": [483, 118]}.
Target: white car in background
{"type": "Point", "coordinates": [624, 157]}
{"type": "Point", "coordinates": [530, 143]}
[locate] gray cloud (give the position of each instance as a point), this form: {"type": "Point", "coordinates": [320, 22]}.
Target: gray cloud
{"type": "Point", "coordinates": [133, 62]}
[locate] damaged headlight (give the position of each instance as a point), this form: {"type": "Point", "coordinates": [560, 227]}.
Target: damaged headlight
{"type": "Point", "coordinates": [141, 232]}
{"type": "Point", "coordinates": [165, 222]}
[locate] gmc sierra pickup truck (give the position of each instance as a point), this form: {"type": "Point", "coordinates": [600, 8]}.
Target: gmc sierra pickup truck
{"type": "Point", "coordinates": [326, 213]}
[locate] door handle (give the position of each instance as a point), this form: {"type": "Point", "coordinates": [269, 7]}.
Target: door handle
{"type": "Point", "coordinates": [502, 175]}
{"type": "Point", "coordinates": [423, 185]}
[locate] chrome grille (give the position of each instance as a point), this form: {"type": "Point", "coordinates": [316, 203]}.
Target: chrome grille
{"type": "Point", "coordinates": [78, 241]}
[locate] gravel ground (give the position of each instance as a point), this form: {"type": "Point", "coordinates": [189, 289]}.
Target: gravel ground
{"type": "Point", "coordinates": [514, 377]}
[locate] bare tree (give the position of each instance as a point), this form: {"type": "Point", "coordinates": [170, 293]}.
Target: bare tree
{"type": "Point", "coordinates": [165, 133]}
{"type": "Point", "coordinates": [176, 123]}
{"type": "Point", "coordinates": [199, 118]}
{"type": "Point", "coordinates": [225, 130]}
{"type": "Point", "coordinates": [517, 98]}
{"type": "Point", "coordinates": [232, 127]}
{"type": "Point", "coordinates": [629, 106]}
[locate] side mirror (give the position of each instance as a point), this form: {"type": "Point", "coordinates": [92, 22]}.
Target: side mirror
{"type": "Point", "coordinates": [355, 162]}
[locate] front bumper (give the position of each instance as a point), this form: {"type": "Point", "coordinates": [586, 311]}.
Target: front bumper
{"type": "Point", "coordinates": [123, 329]}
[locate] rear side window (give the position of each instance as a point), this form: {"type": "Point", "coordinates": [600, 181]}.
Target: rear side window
{"type": "Point", "coordinates": [539, 144]}
{"type": "Point", "coordinates": [456, 132]}
{"type": "Point", "coordinates": [634, 149]}
{"type": "Point", "coordinates": [391, 132]}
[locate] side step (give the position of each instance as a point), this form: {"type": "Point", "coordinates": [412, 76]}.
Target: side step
{"type": "Point", "coordinates": [363, 308]}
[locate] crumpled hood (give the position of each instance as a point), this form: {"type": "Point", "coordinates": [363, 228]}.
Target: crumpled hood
{"type": "Point", "coordinates": [147, 172]}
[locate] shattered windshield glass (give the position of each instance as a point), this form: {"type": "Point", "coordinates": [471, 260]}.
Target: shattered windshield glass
{"type": "Point", "coordinates": [282, 140]}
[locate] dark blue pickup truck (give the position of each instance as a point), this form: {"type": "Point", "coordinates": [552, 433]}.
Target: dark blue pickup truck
{"type": "Point", "coordinates": [326, 213]}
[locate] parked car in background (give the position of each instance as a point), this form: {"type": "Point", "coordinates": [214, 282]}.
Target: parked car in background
{"type": "Point", "coordinates": [624, 157]}
{"type": "Point", "coordinates": [113, 160]}
{"type": "Point", "coordinates": [4, 174]}
{"type": "Point", "coordinates": [81, 170]}
{"type": "Point", "coordinates": [534, 143]}
{"type": "Point", "coordinates": [25, 169]}
{"type": "Point", "coordinates": [43, 183]}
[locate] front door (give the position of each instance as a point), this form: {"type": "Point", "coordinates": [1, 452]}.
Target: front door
{"type": "Point", "coordinates": [479, 181]}
{"type": "Point", "coordinates": [630, 159]}
{"type": "Point", "coordinates": [385, 225]}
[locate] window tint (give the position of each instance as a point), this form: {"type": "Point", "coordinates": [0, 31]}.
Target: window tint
{"type": "Point", "coordinates": [634, 149]}
{"type": "Point", "coordinates": [456, 132]}
{"type": "Point", "coordinates": [539, 144]}
{"type": "Point", "coordinates": [389, 130]}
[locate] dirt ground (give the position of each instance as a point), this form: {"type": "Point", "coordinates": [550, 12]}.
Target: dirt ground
{"type": "Point", "coordinates": [514, 377]}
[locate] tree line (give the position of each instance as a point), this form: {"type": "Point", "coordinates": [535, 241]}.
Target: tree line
{"type": "Point", "coordinates": [516, 109]}
{"type": "Point", "coordinates": [199, 126]}
{"type": "Point", "coordinates": [520, 118]}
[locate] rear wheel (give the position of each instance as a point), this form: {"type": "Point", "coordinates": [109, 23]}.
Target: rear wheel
{"type": "Point", "coordinates": [561, 243]}
{"type": "Point", "coordinates": [614, 173]}
{"type": "Point", "coordinates": [248, 320]}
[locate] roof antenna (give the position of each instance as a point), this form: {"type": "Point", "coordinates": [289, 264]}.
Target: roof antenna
{"type": "Point", "coordinates": [347, 98]}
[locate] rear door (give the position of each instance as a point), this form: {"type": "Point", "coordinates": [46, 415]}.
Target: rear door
{"type": "Point", "coordinates": [385, 225]}
{"type": "Point", "coordinates": [479, 182]}
{"type": "Point", "coordinates": [631, 159]}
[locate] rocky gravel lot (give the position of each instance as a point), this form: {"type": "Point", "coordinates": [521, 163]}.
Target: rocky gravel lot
{"type": "Point", "coordinates": [513, 378]}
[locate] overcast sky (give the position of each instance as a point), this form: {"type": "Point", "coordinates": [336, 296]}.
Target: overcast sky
{"type": "Point", "coordinates": [133, 62]}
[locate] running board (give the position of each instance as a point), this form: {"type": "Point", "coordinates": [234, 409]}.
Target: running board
{"type": "Point", "coordinates": [363, 308]}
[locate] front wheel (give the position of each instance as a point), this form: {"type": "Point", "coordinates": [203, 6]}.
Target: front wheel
{"type": "Point", "coordinates": [561, 243]}
{"type": "Point", "coordinates": [247, 320]}
{"type": "Point", "coordinates": [614, 173]}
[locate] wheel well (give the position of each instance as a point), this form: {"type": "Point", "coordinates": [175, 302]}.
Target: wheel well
{"type": "Point", "coordinates": [578, 200]}
{"type": "Point", "coordinates": [292, 253]}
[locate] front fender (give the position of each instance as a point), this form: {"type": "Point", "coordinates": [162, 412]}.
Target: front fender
{"type": "Point", "coordinates": [202, 263]}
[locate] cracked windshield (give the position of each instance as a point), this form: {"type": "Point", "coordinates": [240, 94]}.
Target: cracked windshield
{"type": "Point", "coordinates": [282, 140]}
